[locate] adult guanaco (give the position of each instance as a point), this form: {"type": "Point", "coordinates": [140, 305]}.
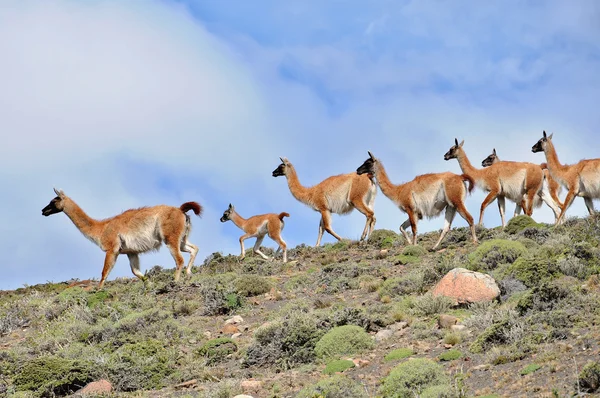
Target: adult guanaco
{"type": "Point", "coordinates": [517, 181]}
{"type": "Point", "coordinates": [257, 227]}
{"type": "Point", "coordinates": [338, 194]}
{"type": "Point", "coordinates": [580, 179]}
{"type": "Point", "coordinates": [133, 232]}
{"type": "Point", "coordinates": [427, 195]}
{"type": "Point", "coordinates": [549, 193]}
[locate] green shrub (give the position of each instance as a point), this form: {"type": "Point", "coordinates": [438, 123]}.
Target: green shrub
{"type": "Point", "coordinates": [414, 251]}
{"type": "Point", "coordinates": [343, 340]}
{"type": "Point", "coordinates": [383, 238]}
{"type": "Point", "coordinates": [338, 365]}
{"type": "Point", "coordinates": [403, 259]}
{"type": "Point", "coordinates": [589, 378]}
{"type": "Point", "coordinates": [53, 375]}
{"type": "Point", "coordinates": [450, 355]}
{"type": "Point", "coordinates": [286, 342]}
{"type": "Point", "coordinates": [440, 391]}
{"type": "Point", "coordinates": [492, 253]}
{"type": "Point", "coordinates": [73, 295]}
{"type": "Point", "coordinates": [412, 377]}
{"type": "Point", "coordinates": [143, 365]}
{"type": "Point", "coordinates": [532, 367]}
{"type": "Point", "coordinates": [399, 353]}
{"type": "Point", "coordinates": [428, 304]}
{"type": "Point", "coordinates": [216, 350]}
{"type": "Point", "coordinates": [252, 285]}
{"type": "Point", "coordinates": [519, 223]}
{"type": "Point", "coordinates": [97, 298]}
{"type": "Point", "coordinates": [533, 269]}
{"type": "Point", "coordinates": [402, 286]}
{"type": "Point", "coordinates": [337, 386]}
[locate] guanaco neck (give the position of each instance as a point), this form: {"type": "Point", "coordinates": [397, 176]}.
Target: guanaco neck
{"type": "Point", "coordinates": [386, 186]}
{"type": "Point", "coordinates": [300, 192]}
{"type": "Point", "coordinates": [82, 221]}
{"type": "Point", "coordinates": [466, 166]}
{"type": "Point", "coordinates": [238, 220]}
{"type": "Point", "coordinates": [554, 165]}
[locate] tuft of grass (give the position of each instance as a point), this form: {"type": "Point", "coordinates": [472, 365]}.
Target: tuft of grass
{"type": "Point", "coordinates": [343, 340]}
{"type": "Point", "coordinates": [337, 386]}
{"type": "Point", "coordinates": [216, 350]}
{"type": "Point", "coordinates": [399, 353]}
{"type": "Point", "coordinates": [452, 338]}
{"type": "Point", "coordinates": [252, 285]}
{"type": "Point", "coordinates": [533, 367]}
{"type": "Point", "coordinates": [450, 355]}
{"type": "Point", "coordinates": [338, 365]}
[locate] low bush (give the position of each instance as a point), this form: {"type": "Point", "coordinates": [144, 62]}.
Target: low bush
{"type": "Point", "coordinates": [337, 386]}
{"type": "Point", "coordinates": [412, 377]}
{"type": "Point", "coordinates": [343, 340]}
{"type": "Point", "coordinates": [252, 285]}
{"type": "Point", "coordinates": [589, 378]}
{"type": "Point", "coordinates": [216, 350]}
{"type": "Point", "coordinates": [338, 365]}
{"type": "Point", "coordinates": [399, 353]}
{"type": "Point", "coordinates": [494, 252]}
{"type": "Point", "coordinates": [450, 355]}
{"type": "Point", "coordinates": [519, 223]}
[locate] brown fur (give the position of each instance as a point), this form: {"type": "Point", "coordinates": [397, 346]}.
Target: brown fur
{"type": "Point", "coordinates": [133, 232]}
{"type": "Point", "coordinates": [501, 180]}
{"type": "Point", "coordinates": [338, 194]}
{"type": "Point", "coordinates": [553, 186]}
{"type": "Point", "coordinates": [581, 179]}
{"type": "Point", "coordinates": [423, 196]}
{"type": "Point", "coordinates": [257, 227]}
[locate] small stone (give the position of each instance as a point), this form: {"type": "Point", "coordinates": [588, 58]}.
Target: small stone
{"type": "Point", "coordinates": [383, 334]}
{"type": "Point", "coordinates": [251, 385]}
{"type": "Point", "coordinates": [96, 388]}
{"type": "Point", "coordinates": [399, 326]}
{"type": "Point", "coordinates": [361, 363]}
{"type": "Point", "coordinates": [207, 334]}
{"type": "Point", "coordinates": [480, 367]}
{"type": "Point", "coordinates": [447, 321]}
{"type": "Point", "coordinates": [235, 335]}
{"type": "Point", "coordinates": [234, 320]}
{"type": "Point", "coordinates": [230, 329]}
{"type": "Point", "coordinates": [458, 328]}
{"type": "Point", "coordinates": [446, 346]}
{"type": "Point", "coordinates": [243, 396]}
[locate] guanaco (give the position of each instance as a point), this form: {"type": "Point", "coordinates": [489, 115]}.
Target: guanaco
{"type": "Point", "coordinates": [257, 227]}
{"type": "Point", "coordinates": [427, 195]}
{"type": "Point", "coordinates": [338, 194]}
{"type": "Point", "coordinates": [518, 181]}
{"type": "Point", "coordinates": [549, 193]}
{"type": "Point", "coordinates": [581, 179]}
{"type": "Point", "coordinates": [133, 232]}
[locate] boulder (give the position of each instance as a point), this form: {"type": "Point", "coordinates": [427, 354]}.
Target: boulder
{"type": "Point", "coordinates": [464, 287]}
{"type": "Point", "coordinates": [447, 321]}
{"type": "Point", "coordinates": [383, 334]}
{"type": "Point", "coordinates": [96, 388]}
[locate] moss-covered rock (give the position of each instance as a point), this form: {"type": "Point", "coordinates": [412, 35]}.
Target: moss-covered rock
{"type": "Point", "coordinates": [338, 365]}
{"type": "Point", "coordinates": [343, 340]}
{"type": "Point", "coordinates": [50, 375]}
{"type": "Point", "coordinates": [412, 377]}
{"type": "Point", "coordinates": [492, 253]}
{"type": "Point", "coordinates": [337, 386]}
{"type": "Point", "coordinates": [216, 350]}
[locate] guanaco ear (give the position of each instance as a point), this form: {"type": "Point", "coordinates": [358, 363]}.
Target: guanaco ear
{"type": "Point", "coordinates": [284, 160]}
{"type": "Point", "coordinates": [550, 136]}
{"type": "Point", "coordinates": [456, 141]}
{"type": "Point", "coordinates": [371, 155]}
{"type": "Point", "coordinates": [230, 206]}
{"type": "Point", "coordinates": [59, 192]}
{"type": "Point", "coordinates": [544, 133]}
{"type": "Point", "coordinates": [494, 151]}
{"type": "Point", "coordinates": [461, 143]}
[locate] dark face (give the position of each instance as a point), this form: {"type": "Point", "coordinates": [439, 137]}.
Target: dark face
{"type": "Point", "coordinates": [489, 160]}
{"type": "Point", "coordinates": [227, 214]}
{"type": "Point", "coordinates": [366, 167]}
{"type": "Point", "coordinates": [453, 151]}
{"type": "Point", "coordinates": [539, 146]}
{"type": "Point", "coordinates": [279, 171]}
{"type": "Point", "coordinates": [55, 206]}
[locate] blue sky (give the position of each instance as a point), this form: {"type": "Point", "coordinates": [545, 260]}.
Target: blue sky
{"type": "Point", "coordinates": [126, 104]}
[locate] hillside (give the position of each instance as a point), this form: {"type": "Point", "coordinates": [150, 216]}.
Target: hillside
{"type": "Point", "coordinates": [299, 319]}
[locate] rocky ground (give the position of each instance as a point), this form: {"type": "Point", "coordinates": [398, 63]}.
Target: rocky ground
{"type": "Point", "coordinates": [344, 320]}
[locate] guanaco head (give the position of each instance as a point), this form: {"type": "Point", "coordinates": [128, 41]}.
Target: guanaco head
{"type": "Point", "coordinates": [282, 168]}
{"type": "Point", "coordinates": [490, 160]}
{"type": "Point", "coordinates": [56, 205]}
{"type": "Point", "coordinates": [368, 166]}
{"type": "Point", "coordinates": [454, 149]}
{"type": "Point", "coordinates": [540, 146]}
{"type": "Point", "coordinates": [227, 213]}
